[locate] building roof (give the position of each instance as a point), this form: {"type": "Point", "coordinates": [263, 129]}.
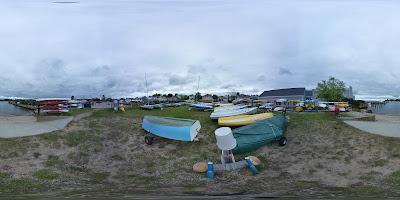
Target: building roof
{"type": "Point", "coordinates": [284, 92]}
{"type": "Point", "coordinates": [309, 93]}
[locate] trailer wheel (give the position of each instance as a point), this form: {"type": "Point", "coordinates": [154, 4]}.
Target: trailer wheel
{"type": "Point", "coordinates": [282, 141]}
{"type": "Point", "coordinates": [148, 140]}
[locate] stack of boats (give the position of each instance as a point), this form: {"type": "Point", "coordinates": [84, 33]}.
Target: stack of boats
{"type": "Point", "coordinates": [255, 130]}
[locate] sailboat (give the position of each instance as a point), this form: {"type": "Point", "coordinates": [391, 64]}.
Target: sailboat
{"type": "Point", "coordinates": [147, 106]}
{"type": "Point", "coordinates": [200, 105]}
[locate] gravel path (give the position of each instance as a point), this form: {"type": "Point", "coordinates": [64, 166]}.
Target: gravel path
{"type": "Point", "coordinates": [386, 128]}
{"type": "Point", "coordinates": [24, 126]}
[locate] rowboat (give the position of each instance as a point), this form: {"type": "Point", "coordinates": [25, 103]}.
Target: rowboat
{"type": "Point", "coordinates": [171, 128]}
{"type": "Point", "coordinates": [253, 136]}
{"type": "Point", "coordinates": [241, 120]}
{"type": "Point", "coordinates": [227, 113]}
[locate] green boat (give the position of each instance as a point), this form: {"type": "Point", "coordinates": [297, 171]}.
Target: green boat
{"type": "Point", "coordinates": [253, 136]}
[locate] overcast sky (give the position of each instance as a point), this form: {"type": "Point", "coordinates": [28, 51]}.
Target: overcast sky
{"type": "Point", "coordinates": [98, 47]}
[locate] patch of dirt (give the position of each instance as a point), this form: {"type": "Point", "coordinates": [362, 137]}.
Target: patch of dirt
{"type": "Point", "coordinates": [111, 153]}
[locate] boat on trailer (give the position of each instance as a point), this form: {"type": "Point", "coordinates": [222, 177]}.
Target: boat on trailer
{"type": "Point", "coordinates": [253, 136]}
{"type": "Point", "coordinates": [170, 128]}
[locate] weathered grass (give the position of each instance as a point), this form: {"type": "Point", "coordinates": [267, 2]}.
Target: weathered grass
{"type": "Point", "coordinates": [52, 160]}
{"type": "Point", "coordinates": [13, 186]}
{"type": "Point", "coordinates": [76, 138]}
{"type": "Point", "coordinates": [45, 174]}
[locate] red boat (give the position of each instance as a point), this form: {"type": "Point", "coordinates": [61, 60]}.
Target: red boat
{"type": "Point", "coordinates": [53, 105]}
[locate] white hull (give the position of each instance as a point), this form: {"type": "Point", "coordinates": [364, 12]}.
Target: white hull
{"type": "Point", "coordinates": [226, 108]}
{"type": "Point", "coordinates": [228, 113]}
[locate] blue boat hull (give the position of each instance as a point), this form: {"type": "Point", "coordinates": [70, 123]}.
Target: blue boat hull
{"type": "Point", "coordinates": [170, 131]}
{"type": "Point", "coordinates": [200, 106]}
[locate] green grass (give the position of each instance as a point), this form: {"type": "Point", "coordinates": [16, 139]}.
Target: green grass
{"type": "Point", "coordinates": [76, 138]}
{"type": "Point", "coordinates": [49, 137]}
{"type": "Point", "coordinates": [52, 160]}
{"type": "Point", "coordinates": [99, 177]}
{"type": "Point", "coordinates": [76, 111]}
{"type": "Point", "coordinates": [379, 162]}
{"type": "Point", "coordinates": [304, 117]}
{"type": "Point", "coordinates": [45, 174]}
{"type": "Point", "coordinates": [394, 179]}
{"type": "Point", "coordinates": [4, 175]}
{"type": "Point", "coordinates": [20, 186]}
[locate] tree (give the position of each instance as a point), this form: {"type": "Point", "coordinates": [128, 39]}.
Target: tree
{"type": "Point", "coordinates": [331, 89]}
{"type": "Point", "coordinates": [72, 97]}
{"type": "Point", "coordinates": [197, 96]}
{"type": "Point", "coordinates": [214, 96]}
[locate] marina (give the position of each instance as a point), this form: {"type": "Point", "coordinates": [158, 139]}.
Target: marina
{"type": "Point", "coordinates": [9, 109]}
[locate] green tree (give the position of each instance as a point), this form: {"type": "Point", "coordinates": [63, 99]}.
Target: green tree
{"type": "Point", "coordinates": [214, 96]}
{"type": "Point", "coordinates": [331, 89]}
{"type": "Point", "coordinates": [198, 96]}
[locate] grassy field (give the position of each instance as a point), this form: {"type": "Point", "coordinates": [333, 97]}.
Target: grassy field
{"type": "Point", "coordinates": [105, 153]}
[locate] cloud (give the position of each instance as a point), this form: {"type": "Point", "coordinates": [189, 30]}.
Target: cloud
{"type": "Point", "coordinates": [284, 71]}
{"type": "Point", "coordinates": [104, 47]}
{"type": "Point", "coordinates": [178, 80]}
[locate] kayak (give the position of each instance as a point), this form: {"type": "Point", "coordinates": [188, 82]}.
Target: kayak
{"type": "Point", "coordinates": [253, 136]}
{"type": "Point", "coordinates": [227, 113]}
{"type": "Point", "coordinates": [241, 120]}
{"type": "Point", "coordinates": [172, 128]}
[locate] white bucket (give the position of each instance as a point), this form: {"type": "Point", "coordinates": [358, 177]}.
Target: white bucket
{"type": "Point", "coordinates": [225, 139]}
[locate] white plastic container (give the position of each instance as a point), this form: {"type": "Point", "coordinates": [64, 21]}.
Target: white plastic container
{"type": "Point", "coordinates": [225, 139]}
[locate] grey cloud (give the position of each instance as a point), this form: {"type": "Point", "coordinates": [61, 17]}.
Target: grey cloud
{"type": "Point", "coordinates": [179, 80]}
{"type": "Point", "coordinates": [284, 71]}
{"type": "Point", "coordinates": [105, 47]}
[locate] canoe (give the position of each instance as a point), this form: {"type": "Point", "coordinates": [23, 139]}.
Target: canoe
{"type": "Point", "coordinates": [172, 128]}
{"type": "Point", "coordinates": [241, 120]}
{"type": "Point", "coordinates": [228, 113]}
{"type": "Point", "coordinates": [253, 136]}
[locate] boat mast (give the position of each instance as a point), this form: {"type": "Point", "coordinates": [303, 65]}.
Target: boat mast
{"type": "Point", "coordinates": [147, 91]}
{"type": "Point", "coordinates": [198, 84]}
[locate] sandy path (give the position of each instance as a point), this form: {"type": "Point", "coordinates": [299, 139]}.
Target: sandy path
{"type": "Point", "coordinates": [24, 126]}
{"type": "Point", "coordinates": [386, 128]}
{"type": "Point", "coordinates": [386, 125]}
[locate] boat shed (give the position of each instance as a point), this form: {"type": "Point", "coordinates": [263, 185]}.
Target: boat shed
{"type": "Point", "coordinates": [299, 94]}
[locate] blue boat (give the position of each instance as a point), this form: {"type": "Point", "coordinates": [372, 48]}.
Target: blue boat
{"type": "Point", "coordinates": [201, 106]}
{"type": "Point", "coordinates": [171, 128]}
